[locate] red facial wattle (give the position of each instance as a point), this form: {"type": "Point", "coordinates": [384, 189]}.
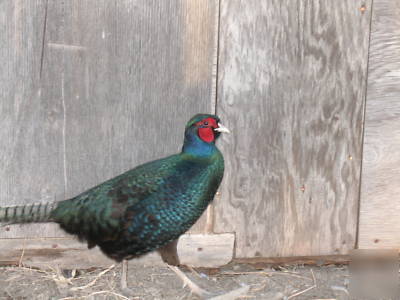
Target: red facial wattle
{"type": "Point", "coordinates": [206, 129]}
{"type": "Point", "coordinates": [206, 134]}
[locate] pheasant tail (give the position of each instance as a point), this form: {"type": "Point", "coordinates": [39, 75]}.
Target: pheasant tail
{"type": "Point", "coordinates": [28, 213]}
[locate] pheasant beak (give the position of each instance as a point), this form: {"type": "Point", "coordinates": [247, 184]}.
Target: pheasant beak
{"type": "Point", "coordinates": [222, 128]}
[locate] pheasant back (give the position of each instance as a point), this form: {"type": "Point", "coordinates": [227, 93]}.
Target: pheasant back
{"type": "Point", "coordinates": [143, 209]}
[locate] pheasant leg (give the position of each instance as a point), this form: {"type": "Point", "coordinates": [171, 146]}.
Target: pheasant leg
{"type": "Point", "coordinates": [124, 279]}
{"type": "Point", "coordinates": [194, 288]}
{"type": "Point", "coordinates": [169, 255]}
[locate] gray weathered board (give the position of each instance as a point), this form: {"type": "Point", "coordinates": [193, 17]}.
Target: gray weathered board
{"type": "Point", "coordinates": [89, 89]}
{"type": "Point", "coordinates": [291, 86]}
{"type": "Point", "coordinates": [380, 190]}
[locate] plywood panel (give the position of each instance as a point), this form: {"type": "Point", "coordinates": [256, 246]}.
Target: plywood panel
{"type": "Point", "coordinates": [92, 88]}
{"type": "Point", "coordinates": [380, 191]}
{"type": "Point", "coordinates": [291, 87]}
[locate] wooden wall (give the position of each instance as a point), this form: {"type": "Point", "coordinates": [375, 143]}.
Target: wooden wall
{"type": "Point", "coordinates": [89, 89]}
{"type": "Point", "coordinates": [380, 193]}
{"type": "Point", "coordinates": [292, 86]}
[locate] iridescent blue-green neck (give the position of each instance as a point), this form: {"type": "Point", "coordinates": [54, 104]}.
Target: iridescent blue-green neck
{"type": "Point", "coordinates": [196, 147]}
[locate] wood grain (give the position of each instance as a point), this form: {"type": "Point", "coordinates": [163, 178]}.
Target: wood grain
{"type": "Point", "coordinates": [380, 190]}
{"type": "Point", "coordinates": [291, 88]}
{"type": "Point", "coordinates": [90, 89]}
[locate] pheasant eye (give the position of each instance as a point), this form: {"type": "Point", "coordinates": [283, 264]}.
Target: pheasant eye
{"type": "Point", "coordinates": [205, 123]}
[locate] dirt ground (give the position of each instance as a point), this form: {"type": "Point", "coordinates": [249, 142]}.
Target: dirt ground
{"type": "Point", "coordinates": [297, 282]}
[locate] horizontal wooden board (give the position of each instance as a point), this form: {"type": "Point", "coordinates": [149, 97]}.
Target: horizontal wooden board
{"type": "Point", "coordinates": [292, 81]}
{"type": "Point", "coordinates": [195, 250]}
{"type": "Point", "coordinates": [264, 262]}
{"type": "Point", "coordinates": [206, 250]}
{"type": "Point", "coordinates": [380, 191]}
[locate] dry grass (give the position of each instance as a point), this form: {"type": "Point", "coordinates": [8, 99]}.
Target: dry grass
{"type": "Point", "coordinates": [154, 282]}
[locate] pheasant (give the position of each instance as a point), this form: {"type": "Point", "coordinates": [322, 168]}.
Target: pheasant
{"type": "Point", "coordinates": [146, 208]}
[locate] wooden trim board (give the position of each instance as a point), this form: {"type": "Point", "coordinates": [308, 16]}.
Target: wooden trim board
{"type": "Point", "coordinates": [197, 250]}
{"type": "Point", "coordinates": [296, 260]}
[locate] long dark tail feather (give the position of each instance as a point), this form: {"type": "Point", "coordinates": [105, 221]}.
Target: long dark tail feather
{"type": "Point", "coordinates": [29, 213]}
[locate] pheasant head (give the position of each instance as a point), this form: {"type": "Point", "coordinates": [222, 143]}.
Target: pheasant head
{"type": "Point", "coordinates": [201, 132]}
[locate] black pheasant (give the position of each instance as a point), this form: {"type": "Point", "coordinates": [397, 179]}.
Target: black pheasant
{"type": "Point", "coordinates": [146, 208]}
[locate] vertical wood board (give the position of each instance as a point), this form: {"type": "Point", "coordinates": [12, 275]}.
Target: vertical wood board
{"type": "Point", "coordinates": [292, 79]}
{"type": "Point", "coordinates": [380, 189]}
{"type": "Point", "coordinates": [31, 160]}
{"type": "Point", "coordinates": [90, 89]}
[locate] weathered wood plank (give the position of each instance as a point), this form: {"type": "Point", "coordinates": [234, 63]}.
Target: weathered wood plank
{"type": "Point", "coordinates": [195, 250]}
{"type": "Point", "coordinates": [94, 88]}
{"type": "Point", "coordinates": [380, 190]}
{"type": "Point", "coordinates": [264, 262]}
{"type": "Point", "coordinates": [206, 250]}
{"type": "Point", "coordinates": [291, 86]}
{"type": "Point", "coordinates": [31, 159]}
